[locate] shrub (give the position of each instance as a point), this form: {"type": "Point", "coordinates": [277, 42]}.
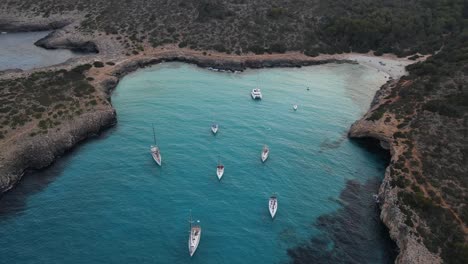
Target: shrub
{"type": "Point", "coordinates": [278, 48]}
{"type": "Point", "coordinates": [275, 13]}
{"type": "Point", "coordinates": [98, 64]}
{"type": "Point", "coordinates": [183, 44]}
{"type": "Point", "coordinates": [257, 49]}
{"type": "Point", "coordinates": [376, 114]}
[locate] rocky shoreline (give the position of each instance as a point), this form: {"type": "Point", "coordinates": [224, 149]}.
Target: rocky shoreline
{"type": "Point", "coordinates": [25, 153]}
{"type": "Point", "coordinates": [411, 250]}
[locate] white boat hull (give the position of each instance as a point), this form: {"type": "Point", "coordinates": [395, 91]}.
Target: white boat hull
{"type": "Point", "coordinates": [273, 206]}
{"type": "Point", "coordinates": [194, 239]}
{"type": "Point", "coordinates": [214, 129]}
{"type": "Point", "coordinates": [255, 97]}
{"type": "Point", "coordinates": [265, 155]}
{"type": "Point", "coordinates": [220, 173]}
{"type": "Point", "coordinates": [295, 107]}
{"type": "Point", "coordinates": [156, 155]}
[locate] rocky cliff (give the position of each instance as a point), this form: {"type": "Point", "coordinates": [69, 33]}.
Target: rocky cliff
{"type": "Point", "coordinates": [25, 153]}
{"type": "Point", "coordinates": [411, 250]}
{"type": "Point", "coordinates": [423, 120]}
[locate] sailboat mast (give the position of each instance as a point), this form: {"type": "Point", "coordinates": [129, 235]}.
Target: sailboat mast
{"type": "Point", "coordinates": [154, 136]}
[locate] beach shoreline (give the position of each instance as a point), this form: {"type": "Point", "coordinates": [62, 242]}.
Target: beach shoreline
{"type": "Point", "coordinates": [106, 79]}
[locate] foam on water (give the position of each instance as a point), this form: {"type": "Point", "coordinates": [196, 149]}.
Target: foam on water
{"type": "Point", "coordinates": [108, 202]}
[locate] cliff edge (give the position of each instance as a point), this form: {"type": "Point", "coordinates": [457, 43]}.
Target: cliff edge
{"type": "Point", "coordinates": [422, 119]}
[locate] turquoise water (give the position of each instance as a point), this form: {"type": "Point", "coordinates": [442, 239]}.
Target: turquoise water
{"type": "Point", "coordinates": [17, 51]}
{"type": "Point", "coordinates": [108, 202]}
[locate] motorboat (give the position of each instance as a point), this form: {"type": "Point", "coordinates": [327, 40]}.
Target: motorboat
{"type": "Point", "coordinates": [265, 153]}
{"type": "Point", "coordinates": [295, 107]}
{"type": "Point", "coordinates": [256, 94]}
{"type": "Point", "coordinates": [214, 128]}
{"type": "Point", "coordinates": [220, 170]}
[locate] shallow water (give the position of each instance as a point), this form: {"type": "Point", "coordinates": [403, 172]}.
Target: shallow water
{"type": "Point", "coordinates": [108, 202]}
{"type": "Point", "coordinates": [17, 51]}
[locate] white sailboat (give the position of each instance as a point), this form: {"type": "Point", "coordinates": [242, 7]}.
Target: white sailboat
{"type": "Point", "coordinates": [155, 150]}
{"type": "Point", "coordinates": [220, 170]}
{"type": "Point", "coordinates": [295, 107]}
{"type": "Point", "coordinates": [265, 153]}
{"type": "Point", "coordinates": [195, 235]}
{"type": "Point", "coordinates": [214, 128]}
{"type": "Point", "coordinates": [273, 205]}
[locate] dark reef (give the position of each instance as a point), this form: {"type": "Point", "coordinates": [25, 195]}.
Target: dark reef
{"type": "Point", "coordinates": [347, 234]}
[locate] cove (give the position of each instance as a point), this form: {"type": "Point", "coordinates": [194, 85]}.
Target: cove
{"type": "Point", "coordinates": [17, 51]}
{"type": "Point", "coordinates": [108, 202]}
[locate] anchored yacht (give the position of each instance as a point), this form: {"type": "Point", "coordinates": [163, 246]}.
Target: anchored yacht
{"type": "Point", "coordinates": [265, 153]}
{"type": "Point", "coordinates": [273, 205]}
{"type": "Point", "coordinates": [156, 154]}
{"type": "Point", "coordinates": [256, 94]}
{"type": "Point", "coordinates": [214, 128]}
{"type": "Point", "coordinates": [194, 238]}
{"type": "Point", "coordinates": [220, 170]}
{"type": "Point", "coordinates": [155, 150]}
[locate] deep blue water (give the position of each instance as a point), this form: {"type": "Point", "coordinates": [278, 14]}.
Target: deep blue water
{"type": "Point", "coordinates": [17, 51]}
{"type": "Point", "coordinates": [108, 202]}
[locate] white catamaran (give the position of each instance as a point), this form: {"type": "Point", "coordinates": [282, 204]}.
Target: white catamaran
{"type": "Point", "coordinates": [220, 170]}
{"type": "Point", "coordinates": [273, 205]}
{"type": "Point", "coordinates": [256, 94]}
{"type": "Point", "coordinates": [194, 238]}
{"type": "Point", "coordinates": [155, 150]}
{"type": "Point", "coordinates": [265, 153]}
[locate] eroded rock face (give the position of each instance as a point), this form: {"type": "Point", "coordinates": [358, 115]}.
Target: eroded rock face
{"type": "Point", "coordinates": [29, 153]}
{"type": "Point", "coordinates": [412, 250]}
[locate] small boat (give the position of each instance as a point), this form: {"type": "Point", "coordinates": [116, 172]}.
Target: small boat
{"type": "Point", "coordinates": [214, 128]}
{"type": "Point", "coordinates": [295, 107]}
{"type": "Point", "coordinates": [265, 153]}
{"type": "Point", "coordinates": [155, 151]}
{"type": "Point", "coordinates": [256, 94]}
{"type": "Point", "coordinates": [195, 235]}
{"type": "Point", "coordinates": [273, 205]}
{"type": "Point", "coordinates": [220, 170]}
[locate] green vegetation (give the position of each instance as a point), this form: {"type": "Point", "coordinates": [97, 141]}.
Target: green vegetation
{"type": "Point", "coordinates": [442, 232]}
{"type": "Point", "coordinates": [377, 114]}
{"type": "Point", "coordinates": [325, 26]}
{"type": "Point", "coordinates": [48, 97]}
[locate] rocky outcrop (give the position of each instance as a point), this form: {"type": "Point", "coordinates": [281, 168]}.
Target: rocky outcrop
{"type": "Point", "coordinates": [412, 250]}
{"type": "Point", "coordinates": [61, 39]}
{"type": "Point", "coordinates": [31, 153]}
